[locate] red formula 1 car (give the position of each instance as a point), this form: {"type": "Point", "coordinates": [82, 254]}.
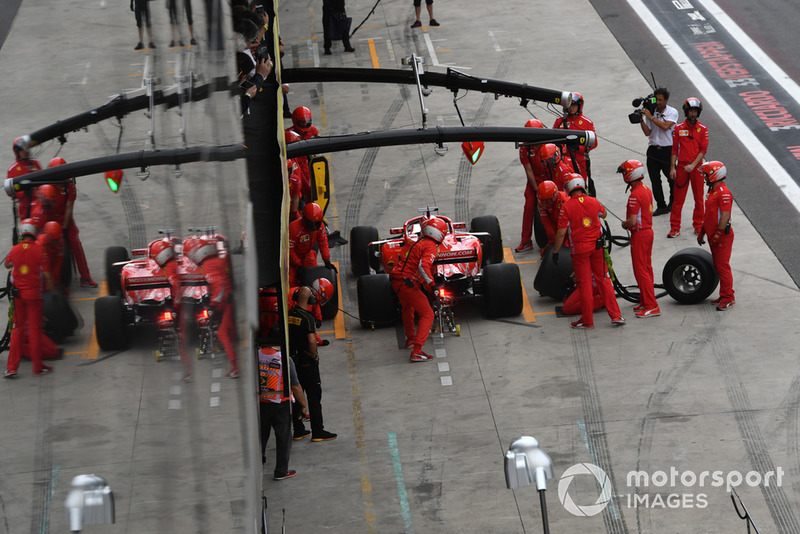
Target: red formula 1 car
{"type": "Point", "coordinates": [141, 296]}
{"type": "Point", "coordinates": [469, 264]}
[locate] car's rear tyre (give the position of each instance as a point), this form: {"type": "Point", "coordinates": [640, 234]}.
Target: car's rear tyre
{"type": "Point", "coordinates": [66, 266]}
{"type": "Point", "coordinates": [493, 249]}
{"type": "Point", "coordinates": [331, 308]}
{"type": "Point", "coordinates": [376, 301]}
{"type": "Point", "coordinates": [360, 260]}
{"type": "Point", "coordinates": [114, 255]}
{"type": "Point", "coordinates": [689, 275]}
{"type": "Point", "coordinates": [553, 280]}
{"type": "Point", "coordinates": [109, 322]}
{"type": "Point", "coordinates": [502, 290]}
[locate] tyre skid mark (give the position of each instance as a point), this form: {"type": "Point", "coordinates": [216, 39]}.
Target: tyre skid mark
{"type": "Point", "coordinates": [596, 437]}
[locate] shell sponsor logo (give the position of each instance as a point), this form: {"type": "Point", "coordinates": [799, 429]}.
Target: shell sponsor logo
{"type": "Point", "coordinates": [304, 238]}
{"type": "Point", "coordinates": [24, 269]}
{"type": "Point", "coordinates": [587, 222]}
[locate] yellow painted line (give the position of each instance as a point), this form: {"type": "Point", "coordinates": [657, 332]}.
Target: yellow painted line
{"type": "Point", "coordinates": [443, 50]}
{"type": "Point", "coordinates": [94, 349]}
{"type": "Point", "coordinates": [325, 331]}
{"type": "Point", "coordinates": [85, 298]}
{"type": "Point", "coordinates": [74, 353]}
{"type": "Point", "coordinates": [373, 54]}
{"type": "Point", "coordinates": [545, 313]}
{"type": "Point", "coordinates": [338, 321]}
{"type": "Point", "coordinates": [309, 61]}
{"type": "Point", "coordinates": [527, 309]}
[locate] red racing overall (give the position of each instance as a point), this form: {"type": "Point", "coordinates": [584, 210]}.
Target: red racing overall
{"type": "Point", "coordinates": [301, 248]}
{"type": "Point", "coordinates": [720, 199]}
{"type": "Point", "coordinates": [216, 271]}
{"type": "Point", "coordinates": [581, 216]}
{"type": "Point", "coordinates": [640, 202]}
{"type": "Point", "coordinates": [27, 259]}
{"type": "Point", "coordinates": [409, 277]}
{"type": "Point", "coordinates": [688, 140]}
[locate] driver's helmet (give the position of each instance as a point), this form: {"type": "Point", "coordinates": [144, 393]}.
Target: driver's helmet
{"type": "Point", "coordinates": [435, 228]}
{"type": "Point", "coordinates": [162, 251]}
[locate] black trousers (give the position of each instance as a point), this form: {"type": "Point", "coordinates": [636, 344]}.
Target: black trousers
{"type": "Point", "coordinates": [658, 161]}
{"type": "Point", "coordinates": [308, 375]}
{"type": "Point", "coordinates": [276, 416]}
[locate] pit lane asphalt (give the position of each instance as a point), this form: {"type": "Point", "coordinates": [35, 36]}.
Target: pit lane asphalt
{"type": "Point", "coordinates": [420, 447]}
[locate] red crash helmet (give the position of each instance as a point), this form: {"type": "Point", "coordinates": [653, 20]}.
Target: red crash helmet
{"type": "Point", "coordinates": [198, 249]}
{"type": "Point", "coordinates": [57, 161]}
{"type": "Point", "coordinates": [547, 190]}
{"type": "Point", "coordinates": [549, 155]}
{"type": "Point", "coordinates": [631, 170]}
{"type": "Point", "coordinates": [28, 227]}
{"type": "Point", "coordinates": [713, 171]}
{"type": "Point", "coordinates": [301, 118]}
{"type": "Point", "coordinates": [534, 123]}
{"type": "Point", "coordinates": [53, 230]}
{"type": "Point", "coordinates": [162, 251]}
{"type": "Point", "coordinates": [435, 228]}
{"type": "Point", "coordinates": [690, 103]}
{"type": "Point", "coordinates": [322, 289]}
{"type": "Point", "coordinates": [577, 98]}
{"type": "Point", "coordinates": [47, 192]}
{"type": "Point", "coordinates": [312, 212]}
{"type": "Point", "coordinates": [21, 144]}
{"type": "Point", "coordinates": [574, 181]}
{"type": "Point", "coordinates": [289, 136]}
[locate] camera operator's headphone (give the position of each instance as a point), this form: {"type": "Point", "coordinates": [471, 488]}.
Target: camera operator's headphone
{"type": "Point", "coordinates": [296, 295]}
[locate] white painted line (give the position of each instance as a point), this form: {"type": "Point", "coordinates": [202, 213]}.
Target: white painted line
{"type": "Point", "coordinates": [216, 373]}
{"type": "Point", "coordinates": [390, 49]}
{"type": "Point", "coordinates": [214, 402]}
{"type": "Point", "coordinates": [314, 50]}
{"type": "Point", "coordinates": [447, 381]}
{"type": "Point", "coordinates": [174, 404]}
{"type": "Point", "coordinates": [215, 386]}
{"type": "Point", "coordinates": [759, 152]}
{"type": "Point", "coordinates": [175, 390]}
{"type": "Point", "coordinates": [443, 367]}
{"type": "Point", "coordinates": [431, 51]}
{"type": "Point", "coordinates": [440, 353]}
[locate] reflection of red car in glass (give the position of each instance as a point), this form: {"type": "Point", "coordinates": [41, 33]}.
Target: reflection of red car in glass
{"type": "Point", "coordinates": [140, 295]}
{"type": "Point", "coordinates": [469, 264]}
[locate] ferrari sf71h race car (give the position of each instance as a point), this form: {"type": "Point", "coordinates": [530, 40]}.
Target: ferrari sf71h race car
{"type": "Point", "coordinates": [140, 295]}
{"type": "Point", "coordinates": [468, 265]}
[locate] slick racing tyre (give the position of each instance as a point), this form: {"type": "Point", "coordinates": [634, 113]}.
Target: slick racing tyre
{"type": "Point", "coordinates": [331, 308]}
{"type": "Point", "coordinates": [502, 290]}
{"type": "Point", "coordinates": [493, 246]}
{"type": "Point", "coordinates": [360, 259]}
{"type": "Point", "coordinates": [110, 324]}
{"type": "Point", "coordinates": [376, 301]}
{"type": "Point", "coordinates": [115, 255]}
{"type": "Point", "coordinates": [60, 319]}
{"type": "Point", "coordinates": [553, 280]}
{"type": "Point", "coordinates": [689, 275]}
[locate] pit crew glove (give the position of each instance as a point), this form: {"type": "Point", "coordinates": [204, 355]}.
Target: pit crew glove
{"type": "Point", "coordinates": [555, 258]}
{"type": "Point", "coordinates": [329, 265]}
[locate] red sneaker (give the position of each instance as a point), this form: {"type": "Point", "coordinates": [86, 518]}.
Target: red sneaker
{"type": "Point", "coordinates": [524, 247]}
{"type": "Point", "coordinates": [419, 356]}
{"type": "Point", "coordinates": [716, 301]}
{"type": "Point", "coordinates": [726, 305]}
{"type": "Point", "coordinates": [673, 233]}
{"type": "Point", "coordinates": [581, 326]}
{"type": "Point", "coordinates": [409, 343]}
{"type": "Point", "coordinates": [653, 312]}
{"type": "Point", "coordinates": [88, 282]}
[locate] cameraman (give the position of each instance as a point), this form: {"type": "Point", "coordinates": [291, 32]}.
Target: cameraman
{"type": "Point", "coordinates": [658, 127]}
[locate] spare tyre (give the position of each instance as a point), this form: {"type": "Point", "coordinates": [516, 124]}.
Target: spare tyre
{"type": "Point", "coordinates": [553, 280]}
{"type": "Point", "coordinates": [492, 247]}
{"type": "Point", "coordinates": [377, 304]}
{"type": "Point", "coordinates": [502, 290]}
{"type": "Point", "coordinates": [689, 275]}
